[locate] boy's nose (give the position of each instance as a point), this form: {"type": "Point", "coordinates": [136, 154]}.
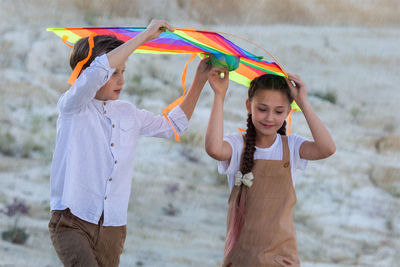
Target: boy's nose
{"type": "Point", "coordinates": [121, 80]}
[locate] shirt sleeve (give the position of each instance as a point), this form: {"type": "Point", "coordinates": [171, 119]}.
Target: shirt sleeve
{"type": "Point", "coordinates": [295, 142]}
{"type": "Point", "coordinates": [86, 86]}
{"type": "Point", "coordinates": [230, 167]}
{"type": "Point", "coordinates": [158, 126]}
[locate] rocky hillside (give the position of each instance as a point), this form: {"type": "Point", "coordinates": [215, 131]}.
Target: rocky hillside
{"type": "Point", "coordinates": [347, 210]}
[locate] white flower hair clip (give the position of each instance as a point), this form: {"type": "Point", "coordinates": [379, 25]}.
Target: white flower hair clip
{"type": "Point", "coordinates": [246, 179]}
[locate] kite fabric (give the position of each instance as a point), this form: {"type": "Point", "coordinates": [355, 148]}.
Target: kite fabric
{"type": "Point", "coordinates": [243, 65]}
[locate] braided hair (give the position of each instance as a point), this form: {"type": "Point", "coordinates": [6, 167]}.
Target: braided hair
{"type": "Point", "coordinates": [263, 82]}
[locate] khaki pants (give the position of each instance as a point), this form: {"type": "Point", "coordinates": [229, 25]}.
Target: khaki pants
{"type": "Point", "coordinates": [80, 243]}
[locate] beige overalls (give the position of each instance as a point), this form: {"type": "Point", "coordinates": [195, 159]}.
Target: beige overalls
{"type": "Point", "coordinates": [267, 237]}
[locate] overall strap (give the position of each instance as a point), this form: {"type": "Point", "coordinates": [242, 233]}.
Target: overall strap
{"type": "Point", "coordinates": [285, 149]}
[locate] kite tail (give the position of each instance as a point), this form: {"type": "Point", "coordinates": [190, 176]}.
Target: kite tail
{"type": "Point", "coordinates": [65, 41]}
{"type": "Point", "coordinates": [178, 100]}
{"type": "Point", "coordinates": [289, 119]}
{"type": "Point", "coordinates": [79, 66]}
{"type": "Point", "coordinates": [237, 222]}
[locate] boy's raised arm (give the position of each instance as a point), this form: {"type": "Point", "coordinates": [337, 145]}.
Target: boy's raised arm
{"type": "Point", "coordinates": [84, 89]}
{"type": "Point", "coordinates": [200, 79]}
{"type": "Point", "coordinates": [120, 54]}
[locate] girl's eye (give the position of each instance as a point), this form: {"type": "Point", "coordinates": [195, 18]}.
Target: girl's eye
{"type": "Point", "coordinates": [262, 110]}
{"type": "Point", "coordinates": [279, 112]}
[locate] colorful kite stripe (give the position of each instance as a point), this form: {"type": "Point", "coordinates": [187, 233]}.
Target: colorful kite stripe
{"type": "Point", "coordinates": [184, 41]}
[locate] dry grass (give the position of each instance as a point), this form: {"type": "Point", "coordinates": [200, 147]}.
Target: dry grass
{"type": "Point", "coordinates": [306, 12]}
{"type": "Point", "coordinates": [361, 13]}
{"type": "Point", "coordinates": [110, 8]}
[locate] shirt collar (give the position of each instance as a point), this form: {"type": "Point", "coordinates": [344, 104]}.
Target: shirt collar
{"type": "Point", "coordinates": [275, 143]}
{"type": "Point", "coordinates": [101, 105]}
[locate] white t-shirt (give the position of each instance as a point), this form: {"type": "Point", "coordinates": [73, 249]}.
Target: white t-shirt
{"type": "Point", "coordinates": [274, 152]}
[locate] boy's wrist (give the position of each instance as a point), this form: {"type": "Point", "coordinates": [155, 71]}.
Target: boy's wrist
{"type": "Point", "coordinates": [145, 35]}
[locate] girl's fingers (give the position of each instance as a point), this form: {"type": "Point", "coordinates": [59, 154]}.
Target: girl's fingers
{"type": "Point", "coordinates": [290, 84]}
{"type": "Point", "coordinates": [226, 74]}
{"type": "Point", "coordinates": [296, 80]}
{"type": "Point", "coordinates": [206, 59]}
{"type": "Point", "coordinates": [220, 69]}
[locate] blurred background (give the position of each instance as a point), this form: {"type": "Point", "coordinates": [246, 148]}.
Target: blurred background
{"type": "Point", "coordinates": [346, 52]}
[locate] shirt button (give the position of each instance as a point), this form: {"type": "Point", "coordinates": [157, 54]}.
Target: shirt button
{"type": "Point", "coordinates": [115, 162]}
{"type": "Point", "coordinates": [286, 165]}
{"type": "Point", "coordinates": [105, 112]}
{"type": "Point", "coordinates": [110, 179]}
{"type": "Point", "coordinates": [105, 103]}
{"type": "Point", "coordinates": [113, 125]}
{"type": "Point", "coordinates": [112, 144]}
{"type": "Point", "coordinates": [105, 198]}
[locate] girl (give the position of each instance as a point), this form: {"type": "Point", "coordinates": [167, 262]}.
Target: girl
{"type": "Point", "coordinates": [92, 164]}
{"type": "Point", "coordinates": [260, 166]}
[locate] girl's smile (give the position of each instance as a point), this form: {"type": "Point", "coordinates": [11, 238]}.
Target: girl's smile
{"type": "Point", "coordinates": [269, 109]}
{"type": "Point", "coordinates": [267, 125]}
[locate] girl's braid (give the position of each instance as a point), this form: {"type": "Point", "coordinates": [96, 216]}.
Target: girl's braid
{"type": "Point", "coordinates": [250, 142]}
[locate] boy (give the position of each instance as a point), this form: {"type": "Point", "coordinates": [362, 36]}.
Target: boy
{"type": "Point", "coordinates": [95, 147]}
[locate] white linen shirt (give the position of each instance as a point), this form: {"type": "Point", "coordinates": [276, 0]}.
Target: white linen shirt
{"type": "Point", "coordinates": [92, 164]}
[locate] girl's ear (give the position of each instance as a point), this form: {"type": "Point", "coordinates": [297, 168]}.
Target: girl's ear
{"type": "Point", "coordinates": [248, 106]}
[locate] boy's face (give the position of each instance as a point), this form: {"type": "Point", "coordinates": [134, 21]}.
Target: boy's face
{"type": "Point", "coordinates": [112, 89]}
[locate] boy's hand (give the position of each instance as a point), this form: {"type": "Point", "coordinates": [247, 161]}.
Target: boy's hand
{"type": "Point", "coordinates": [218, 84]}
{"type": "Point", "coordinates": [202, 70]}
{"type": "Point", "coordinates": [156, 27]}
{"type": "Point", "coordinates": [298, 90]}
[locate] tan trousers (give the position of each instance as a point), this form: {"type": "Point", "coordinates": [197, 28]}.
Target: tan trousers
{"type": "Point", "coordinates": [80, 243]}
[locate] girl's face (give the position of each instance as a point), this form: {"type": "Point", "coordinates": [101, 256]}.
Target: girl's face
{"type": "Point", "coordinates": [269, 109]}
{"type": "Point", "coordinates": [112, 89]}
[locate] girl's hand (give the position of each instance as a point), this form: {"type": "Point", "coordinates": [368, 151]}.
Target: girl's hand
{"type": "Point", "coordinates": [218, 84]}
{"type": "Point", "coordinates": [298, 90]}
{"type": "Point", "coordinates": [202, 70]}
{"type": "Point", "coordinates": [155, 28]}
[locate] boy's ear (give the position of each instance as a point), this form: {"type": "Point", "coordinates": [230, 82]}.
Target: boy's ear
{"type": "Point", "coordinates": [248, 106]}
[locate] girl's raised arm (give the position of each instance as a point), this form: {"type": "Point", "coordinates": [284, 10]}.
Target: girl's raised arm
{"type": "Point", "coordinates": [215, 146]}
{"type": "Point", "coordinates": [323, 145]}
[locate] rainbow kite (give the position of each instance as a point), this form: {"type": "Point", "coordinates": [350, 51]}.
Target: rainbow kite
{"type": "Point", "coordinates": [185, 41]}
{"type": "Point", "coordinates": [243, 65]}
